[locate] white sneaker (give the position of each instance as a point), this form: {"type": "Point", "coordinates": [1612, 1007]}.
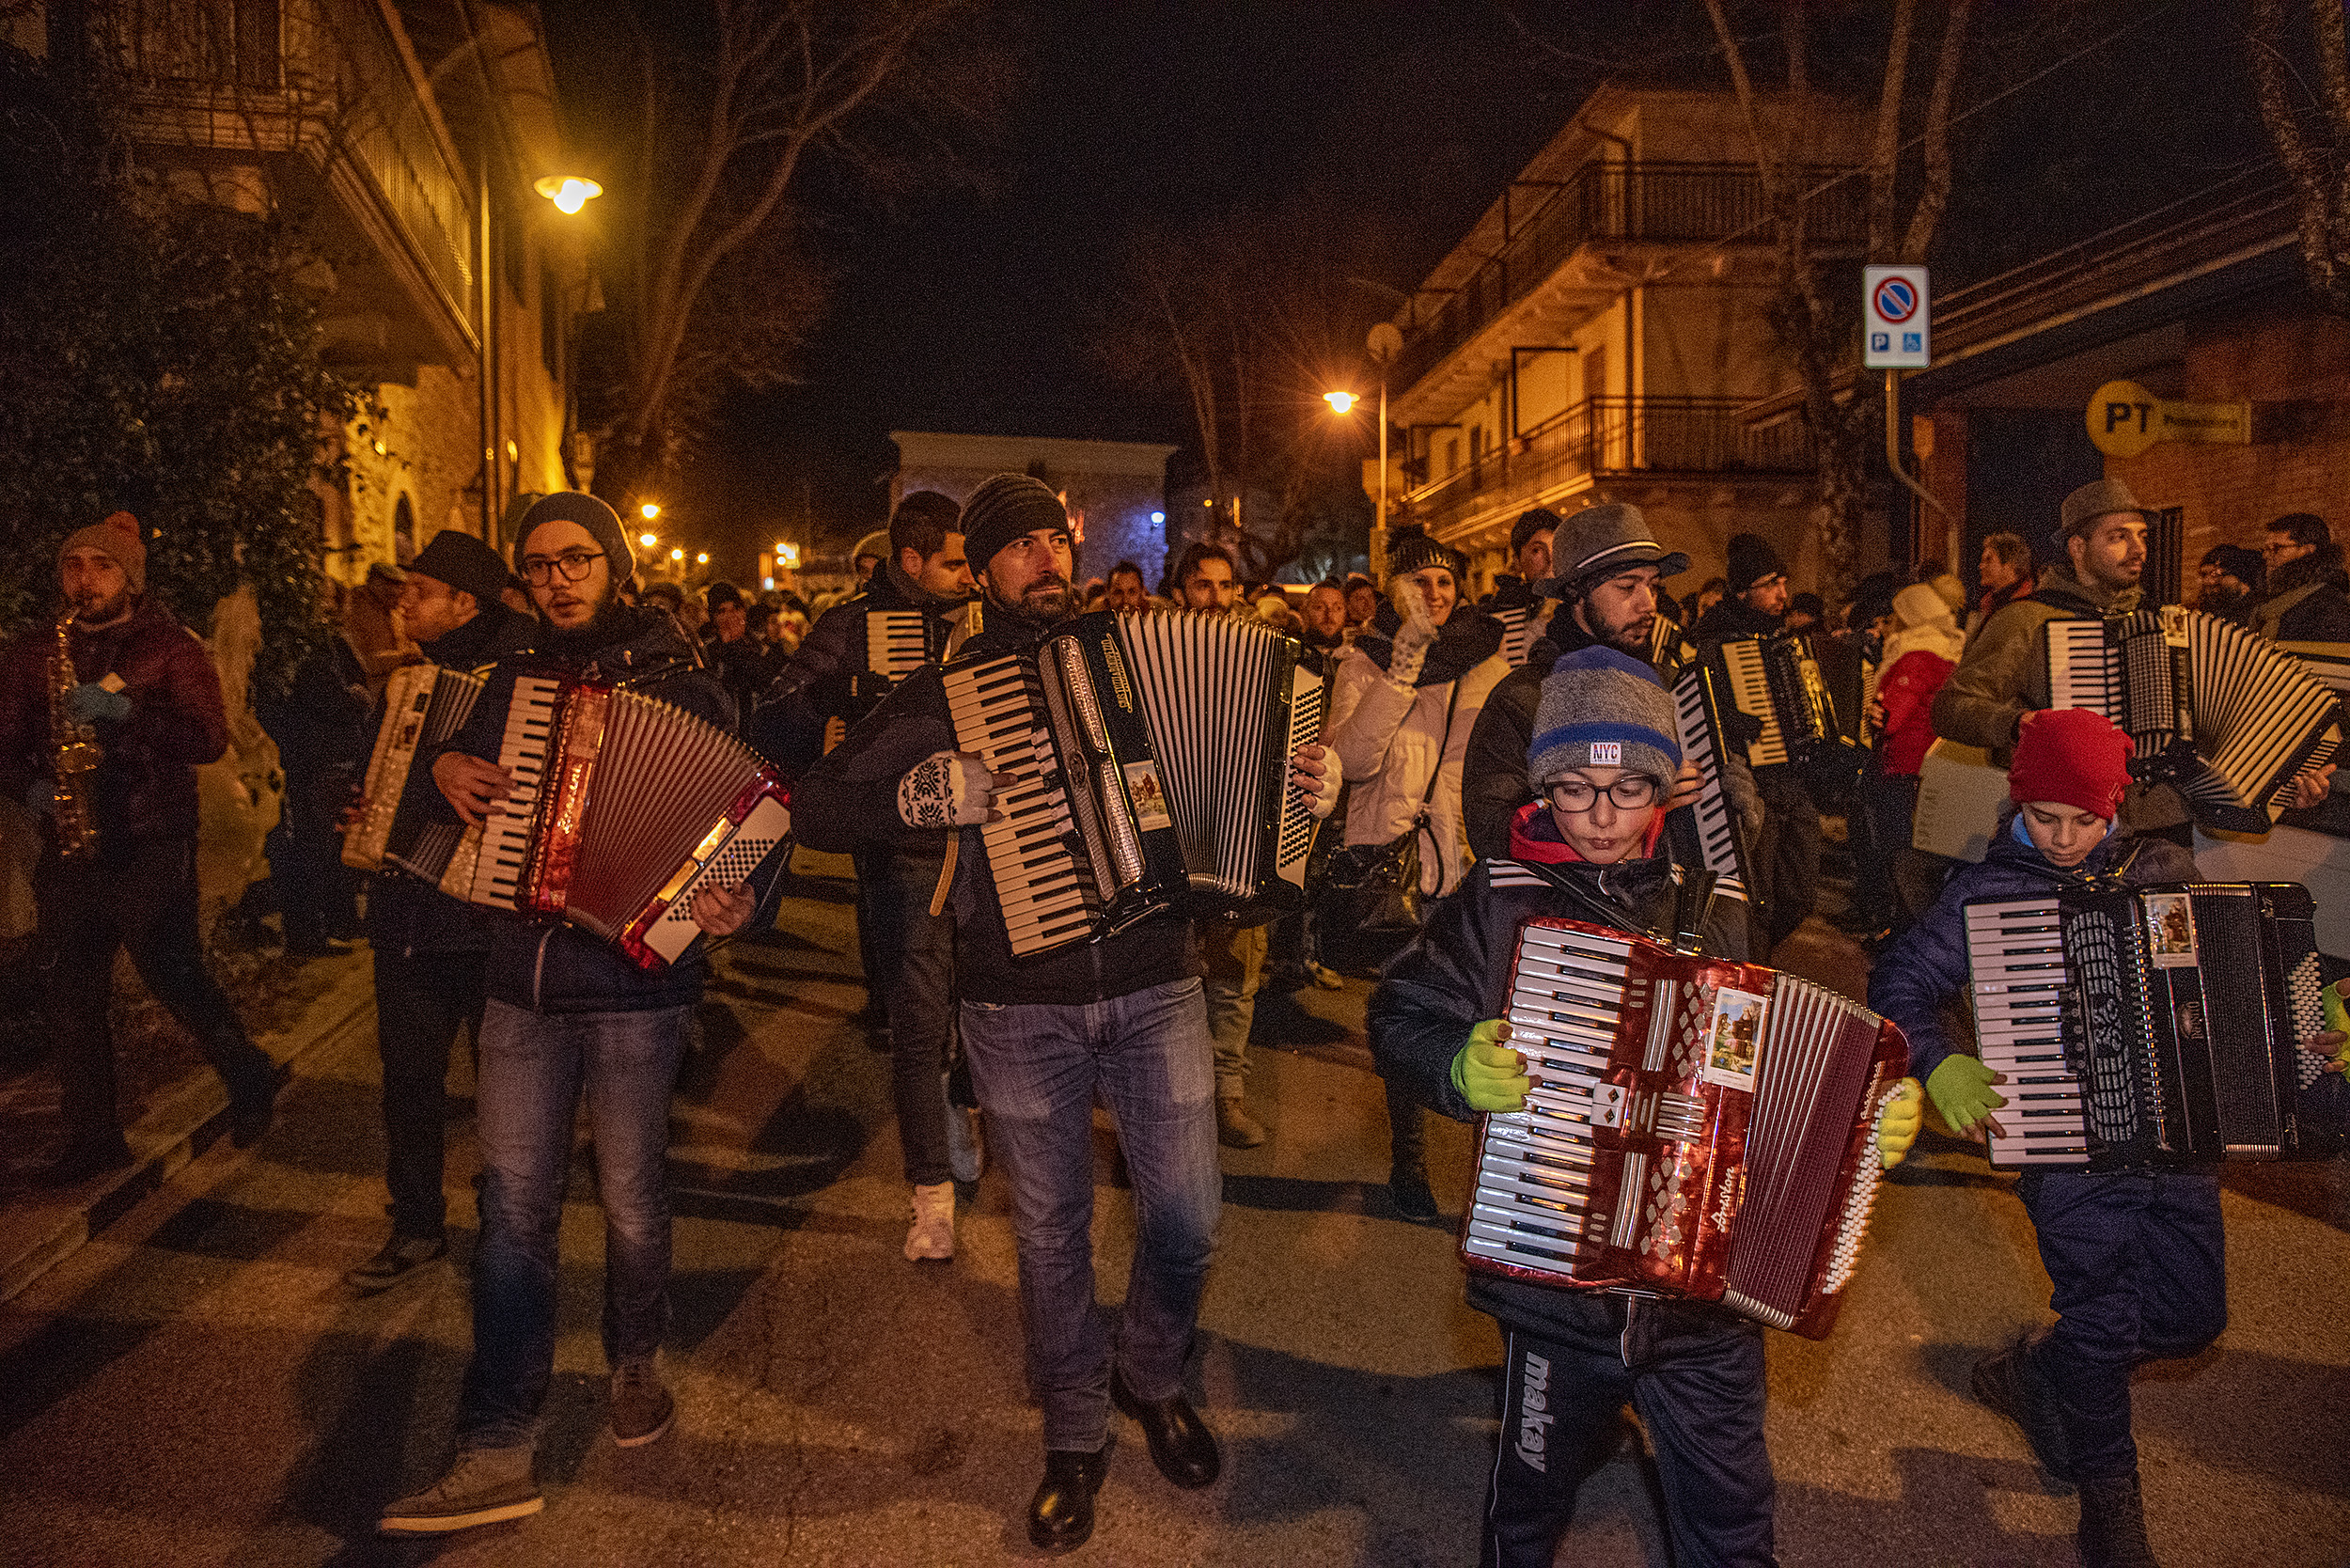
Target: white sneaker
{"type": "Point", "coordinates": [932, 1237]}
{"type": "Point", "coordinates": [967, 1146]}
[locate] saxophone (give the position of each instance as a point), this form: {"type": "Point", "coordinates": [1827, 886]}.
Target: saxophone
{"type": "Point", "coordinates": [76, 756]}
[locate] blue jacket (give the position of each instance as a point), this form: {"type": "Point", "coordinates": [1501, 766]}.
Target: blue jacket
{"type": "Point", "coordinates": [557, 968]}
{"type": "Point", "coordinates": [1922, 972]}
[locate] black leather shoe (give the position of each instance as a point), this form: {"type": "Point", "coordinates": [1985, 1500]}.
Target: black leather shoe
{"type": "Point", "coordinates": [1060, 1515]}
{"type": "Point", "coordinates": [1181, 1444]}
{"type": "Point", "coordinates": [401, 1257]}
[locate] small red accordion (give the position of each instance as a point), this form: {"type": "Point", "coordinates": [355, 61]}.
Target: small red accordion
{"type": "Point", "coordinates": [623, 809]}
{"type": "Point", "coordinates": [1695, 1128]}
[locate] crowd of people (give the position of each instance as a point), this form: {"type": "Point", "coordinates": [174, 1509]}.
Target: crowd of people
{"type": "Point", "coordinates": [1502, 758]}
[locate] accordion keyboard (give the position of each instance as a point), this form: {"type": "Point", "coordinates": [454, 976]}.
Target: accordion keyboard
{"type": "Point", "coordinates": [2084, 670]}
{"type": "Point", "coordinates": [2016, 952]}
{"type": "Point", "coordinates": [1717, 825]}
{"type": "Point", "coordinates": [1517, 633]}
{"type": "Point", "coordinates": [894, 642]}
{"type": "Point", "coordinates": [1750, 689]}
{"type": "Point", "coordinates": [1037, 881]}
{"type": "Point", "coordinates": [523, 753]}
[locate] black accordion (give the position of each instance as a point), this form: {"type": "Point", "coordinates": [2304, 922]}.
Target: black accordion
{"type": "Point", "coordinates": [1696, 1128]}
{"type": "Point", "coordinates": [1720, 836]}
{"type": "Point", "coordinates": [2151, 1027]}
{"type": "Point", "coordinates": [1520, 625]}
{"type": "Point", "coordinates": [2216, 710]}
{"type": "Point", "coordinates": [1789, 714]}
{"type": "Point", "coordinates": [1143, 765]}
{"type": "Point", "coordinates": [414, 831]}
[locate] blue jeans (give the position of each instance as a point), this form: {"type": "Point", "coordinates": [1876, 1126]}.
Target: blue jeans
{"type": "Point", "coordinates": [1038, 1071]}
{"type": "Point", "coordinates": [533, 1066]}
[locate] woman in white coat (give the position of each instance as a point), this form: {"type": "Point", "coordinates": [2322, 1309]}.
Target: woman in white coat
{"type": "Point", "coordinates": [1404, 701]}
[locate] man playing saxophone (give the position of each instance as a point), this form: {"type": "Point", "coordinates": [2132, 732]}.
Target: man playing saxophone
{"type": "Point", "coordinates": [117, 674]}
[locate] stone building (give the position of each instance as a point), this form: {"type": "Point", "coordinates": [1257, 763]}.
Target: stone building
{"type": "Point", "coordinates": [1116, 490]}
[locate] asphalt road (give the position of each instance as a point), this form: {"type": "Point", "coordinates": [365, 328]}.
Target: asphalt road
{"type": "Point", "coordinates": [196, 1387]}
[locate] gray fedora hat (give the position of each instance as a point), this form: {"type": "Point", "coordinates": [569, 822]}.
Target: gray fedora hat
{"type": "Point", "coordinates": [1600, 540]}
{"type": "Point", "coordinates": [2095, 499]}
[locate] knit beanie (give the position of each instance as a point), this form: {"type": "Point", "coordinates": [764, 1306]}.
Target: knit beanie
{"type": "Point", "coordinates": [1952, 590]}
{"type": "Point", "coordinates": [118, 540]}
{"type": "Point", "coordinates": [463, 562]}
{"type": "Point", "coordinates": [1007, 506]}
{"type": "Point", "coordinates": [1751, 559]}
{"type": "Point", "coordinates": [1603, 708]}
{"type": "Point", "coordinates": [1919, 604]}
{"type": "Point", "coordinates": [2072, 756]}
{"type": "Point", "coordinates": [602, 522]}
{"type": "Point", "coordinates": [1411, 550]}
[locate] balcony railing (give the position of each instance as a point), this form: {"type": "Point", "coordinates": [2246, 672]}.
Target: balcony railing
{"type": "Point", "coordinates": [323, 76]}
{"type": "Point", "coordinates": [1606, 437]}
{"type": "Point", "coordinates": [1603, 202]}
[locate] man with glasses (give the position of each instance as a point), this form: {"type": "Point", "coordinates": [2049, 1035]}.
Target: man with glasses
{"type": "Point", "coordinates": [2306, 600]}
{"type": "Point", "coordinates": [567, 1013]}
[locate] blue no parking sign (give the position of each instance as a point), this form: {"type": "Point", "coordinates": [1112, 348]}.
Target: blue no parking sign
{"type": "Point", "coordinates": [1893, 319]}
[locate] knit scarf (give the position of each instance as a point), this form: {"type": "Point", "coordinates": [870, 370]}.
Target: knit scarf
{"type": "Point", "coordinates": [1466, 639]}
{"type": "Point", "coordinates": [1535, 840]}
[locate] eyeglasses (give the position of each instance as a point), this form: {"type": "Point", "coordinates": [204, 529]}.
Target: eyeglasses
{"type": "Point", "coordinates": [1575, 796]}
{"type": "Point", "coordinates": [2278, 548]}
{"type": "Point", "coordinates": [539, 571]}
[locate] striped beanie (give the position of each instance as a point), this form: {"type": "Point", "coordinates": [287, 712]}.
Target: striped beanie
{"type": "Point", "coordinates": [1004, 508]}
{"type": "Point", "coordinates": [1603, 708]}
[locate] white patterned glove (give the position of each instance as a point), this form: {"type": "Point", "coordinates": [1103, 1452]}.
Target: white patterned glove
{"type": "Point", "coordinates": [946, 789]}
{"type": "Point", "coordinates": [1315, 774]}
{"type": "Point", "coordinates": [1414, 636]}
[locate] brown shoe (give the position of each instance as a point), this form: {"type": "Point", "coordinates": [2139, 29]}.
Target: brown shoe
{"type": "Point", "coordinates": [1234, 1127]}
{"type": "Point", "coordinates": [642, 1406]}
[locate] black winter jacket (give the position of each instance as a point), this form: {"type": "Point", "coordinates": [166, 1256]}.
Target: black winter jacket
{"type": "Point", "coordinates": [1456, 974]}
{"type": "Point", "coordinates": [1926, 969]}
{"type": "Point", "coordinates": [827, 679]}
{"type": "Point", "coordinates": [405, 916]}
{"type": "Point", "coordinates": [558, 968]}
{"type": "Point", "coordinates": [851, 798]}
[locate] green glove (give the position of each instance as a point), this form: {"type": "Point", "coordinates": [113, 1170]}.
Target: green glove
{"type": "Point", "coordinates": [1489, 1074]}
{"type": "Point", "coordinates": [1897, 1123]}
{"type": "Point", "coordinates": [2337, 1022]}
{"type": "Point", "coordinates": [1961, 1090]}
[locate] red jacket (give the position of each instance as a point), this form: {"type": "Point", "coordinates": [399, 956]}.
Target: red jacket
{"type": "Point", "coordinates": [146, 784]}
{"type": "Point", "coordinates": [1907, 692]}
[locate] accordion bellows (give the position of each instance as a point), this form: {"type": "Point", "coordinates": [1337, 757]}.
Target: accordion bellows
{"type": "Point", "coordinates": [1695, 1128]}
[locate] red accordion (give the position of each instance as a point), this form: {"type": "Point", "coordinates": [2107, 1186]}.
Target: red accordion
{"type": "Point", "coordinates": [1695, 1128]}
{"type": "Point", "coordinates": [625, 808]}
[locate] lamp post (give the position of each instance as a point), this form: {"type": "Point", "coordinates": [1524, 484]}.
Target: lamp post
{"type": "Point", "coordinates": [1384, 342]}
{"type": "Point", "coordinates": [569, 192]}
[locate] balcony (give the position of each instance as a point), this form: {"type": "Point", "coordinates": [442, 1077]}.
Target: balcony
{"type": "Point", "coordinates": [1611, 438]}
{"type": "Point", "coordinates": [327, 98]}
{"type": "Point", "coordinates": [1616, 203]}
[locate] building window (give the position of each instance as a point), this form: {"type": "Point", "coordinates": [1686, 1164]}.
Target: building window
{"type": "Point", "coordinates": [1451, 455]}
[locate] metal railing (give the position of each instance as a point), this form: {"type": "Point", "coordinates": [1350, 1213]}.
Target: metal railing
{"type": "Point", "coordinates": [1611, 436]}
{"type": "Point", "coordinates": [1659, 202]}
{"type": "Point", "coordinates": [325, 76]}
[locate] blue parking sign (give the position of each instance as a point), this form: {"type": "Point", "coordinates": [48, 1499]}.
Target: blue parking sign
{"type": "Point", "coordinates": [1880, 341]}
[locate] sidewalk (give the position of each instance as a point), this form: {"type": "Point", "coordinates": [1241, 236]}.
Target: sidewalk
{"type": "Point", "coordinates": [177, 1109]}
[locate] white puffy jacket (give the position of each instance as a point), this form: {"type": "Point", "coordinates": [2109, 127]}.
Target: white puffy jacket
{"type": "Point", "coordinates": [1387, 735]}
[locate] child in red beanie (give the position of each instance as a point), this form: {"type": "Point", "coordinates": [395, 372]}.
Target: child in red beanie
{"type": "Point", "coordinates": [2135, 1259]}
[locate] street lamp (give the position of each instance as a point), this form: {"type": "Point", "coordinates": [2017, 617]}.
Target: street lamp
{"type": "Point", "coordinates": [679, 555]}
{"type": "Point", "coordinates": [703, 559]}
{"type": "Point", "coordinates": [1343, 401]}
{"type": "Point", "coordinates": [568, 192]}
{"type": "Point", "coordinates": [649, 511]}
{"type": "Point", "coordinates": [649, 540]}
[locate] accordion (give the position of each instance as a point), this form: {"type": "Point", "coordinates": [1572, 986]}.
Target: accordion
{"type": "Point", "coordinates": [2151, 1025]}
{"type": "Point", "coordinates": [1143, 765]}
{"type": "Point", "coordinates": [2214, 709]}
{"type": "Point", "coordinates": [1668, 647]}
{"type": "Point", "coordinates": [1721, 843]}
{"type": "Point", "coordinates": [1519, 624]}
{"type": "Point", "coordinates": [424, 705]}
{"type": "Point", "coordinates": [625, 808]}
{"type": "Point", "coordinates": [1695, 1128]}
{"type": "Point", "coordinates": [1777, 684]}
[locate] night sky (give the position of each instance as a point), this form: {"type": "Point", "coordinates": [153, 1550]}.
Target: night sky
{"type": "Point", "coordinates": [969, 311]}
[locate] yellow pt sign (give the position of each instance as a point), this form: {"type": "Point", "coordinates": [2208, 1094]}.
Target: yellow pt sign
{"type": "Point", "coordinates": [2125, 420]}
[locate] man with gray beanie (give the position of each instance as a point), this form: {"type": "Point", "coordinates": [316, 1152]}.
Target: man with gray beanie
{"type": "Point", "coordinates": [1119, 1019]}
{"type": "Point", "coordinates": [145, 688]}
{"type": "Point", "coordinates": [1603, 752]}
{"type": "Point", "coordinates": [568, 1014]}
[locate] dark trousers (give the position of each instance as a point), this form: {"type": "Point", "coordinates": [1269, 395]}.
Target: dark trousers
{"type": "Point", "coordinates": [1788, 852]}
{"type": "Point", "coordinates": [916, 952]}
{"type": "Point", "coordinates": [1694, 1373]}
{"type": "Point", "coordinates": [875, 942]}
{"type": "Point", "coordinates": [316, 892]}
{"type": "Point", "coordinates": [421, 1000]}
{"type": "Point", "coordinates": [140, 896]}
{"type": "Point", "coordinates": [2138, 1266]}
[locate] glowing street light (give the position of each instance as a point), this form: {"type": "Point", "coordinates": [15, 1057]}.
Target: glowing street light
{"type": "Point", "coordinates": [679, 555]}
{"type": "Point", "coordinates": [568, 192]}
{"type": "Point", "coordinates": [1341, 400]}
{"type": "Point", "coordinates": [649, 511]}
{"type": "Point", "coordinates": [649, 540]}
{"type": "Point", "coordinates": [703, 559]}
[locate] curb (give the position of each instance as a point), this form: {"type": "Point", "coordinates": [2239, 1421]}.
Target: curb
{"type": "Point", "coordinates": [182, 1126]}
